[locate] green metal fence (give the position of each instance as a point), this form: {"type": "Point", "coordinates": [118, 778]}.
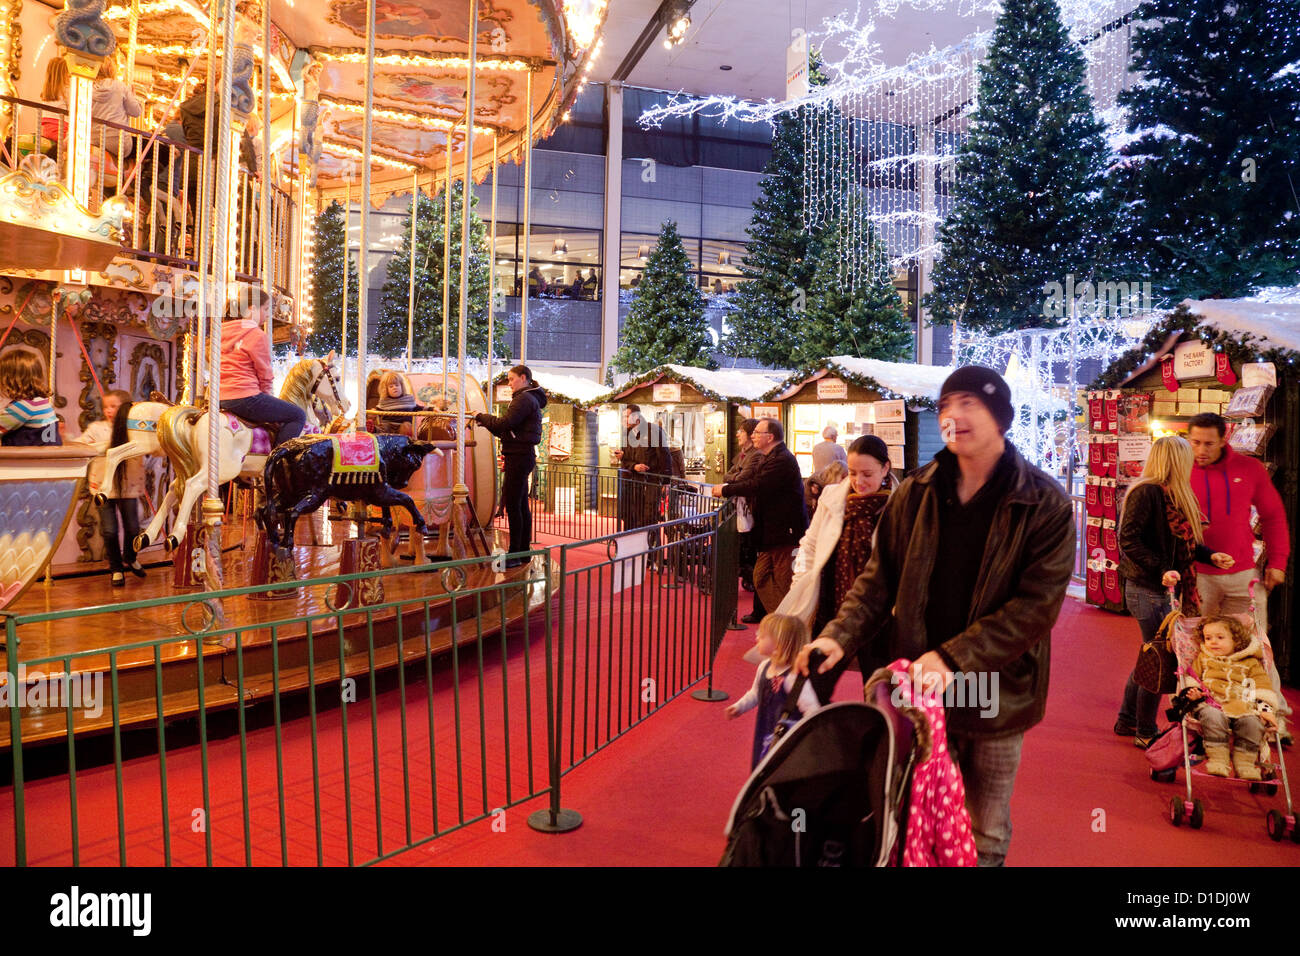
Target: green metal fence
{"type": "Point", "coordinates": [322, 734]}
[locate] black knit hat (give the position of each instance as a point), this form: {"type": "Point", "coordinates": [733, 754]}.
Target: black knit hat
{"type": "Point", "coordinates": [986, 385]}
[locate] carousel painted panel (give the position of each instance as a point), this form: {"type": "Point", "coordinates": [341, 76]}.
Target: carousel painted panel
{"type": "Point", "coordinates": [39, 489]}
{"type": "Point", "coordinates": [480, 462]}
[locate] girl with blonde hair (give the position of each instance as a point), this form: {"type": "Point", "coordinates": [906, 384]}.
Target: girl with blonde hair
{"type": "Point", "coordinates": [1161, 538]}
{"type": "Point", "coordinates": [780, 636]}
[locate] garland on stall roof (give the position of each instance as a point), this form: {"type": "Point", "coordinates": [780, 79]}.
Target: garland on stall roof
{"type": "Point", "coordinates": [1240, 347]}
{"type": "Point", "coordinates": [853, 378]}
{"type": "Point", "coordinates": [552, 396]}
{"type": "Point", "coordinates": [646, 378]}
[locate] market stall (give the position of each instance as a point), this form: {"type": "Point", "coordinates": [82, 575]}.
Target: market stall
{"type": "Point", "coordinates": [1236, 358]}
{"type": "Point", "coordinates": [893, 400]}
{"type": "Point", "coordinates": [698, 409]}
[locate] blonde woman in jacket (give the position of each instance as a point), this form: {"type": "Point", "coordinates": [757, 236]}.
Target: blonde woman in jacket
{"type": "Point", "coordinates": [837, 544]}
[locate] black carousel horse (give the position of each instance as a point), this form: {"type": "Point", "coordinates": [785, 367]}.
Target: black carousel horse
{"type": "Point", "coordinates": [300, 476]}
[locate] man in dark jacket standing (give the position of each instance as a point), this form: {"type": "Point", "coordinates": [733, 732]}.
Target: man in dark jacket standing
{"type": "Point", "coordinates": [646, 459]}
{"type": "Point", "coordinates": [519, 430]}
{"type": "Point", "coordinates": [971, 561]}
{"type": "Point", "coordinates": [774, 488]}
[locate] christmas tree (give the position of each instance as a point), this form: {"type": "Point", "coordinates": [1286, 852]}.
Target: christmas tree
{"type": "Point", "coordinates": [389, 336]}
{"type": "Point", "coordinates": [782, 253]}
{"type": "Point", "coordinates": [853, 309]}
{"type": "Point", "coordinates": [327, 285]}
{"type": "Point", "coordinates": [666, 322]}
{"type": "Point", "coordinates": [1208, 183]}
{"type": "Point", "coordinates": [1027, 208]}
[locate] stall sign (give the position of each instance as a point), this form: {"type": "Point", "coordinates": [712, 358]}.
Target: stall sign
{"type": "Point", "coordinates": [1259, 373]}
{"type": "Point", "coordinates": [891, 433]}
{"type": "Point", "coordinates": [762, 410]}
{"type": "Point", "coordinates": [891, 411]}
{"type": "Point", "coordinates": [504, 393]}
{"type": "Point", "coordinates": [896, 459]}
{"type": "Point", "coordinates": [560, 444]}
{"type": "Point", "coordinates": [666, 393]}
{"type": "Point", "coordinates": [1134, 447]}
{"type": "Point", "coordinates": [831, 389]}
{"type": "Point", "coordinates": [1193, 360]}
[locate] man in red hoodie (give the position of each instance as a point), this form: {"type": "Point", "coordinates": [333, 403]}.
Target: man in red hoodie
{"type": "Point", "coordinates": [1226, 485]}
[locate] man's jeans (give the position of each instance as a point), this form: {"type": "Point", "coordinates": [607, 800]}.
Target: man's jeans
{"type": "Point", "coordinates": [988, 769]}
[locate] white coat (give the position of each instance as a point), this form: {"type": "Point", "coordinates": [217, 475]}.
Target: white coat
{"type": "Point", "coordinates": [815, 549]}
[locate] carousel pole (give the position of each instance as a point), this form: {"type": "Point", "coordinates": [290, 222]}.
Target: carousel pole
{"type": "Point", "coordinates": [492, 275]}
{"type": "Point", "coordinates": [363, 273]}
{"type": "Point", "coordinates": [225, 132]}
{"type": "Point", "coordinates": [446, 269]}
{"type": "Point", "coordinates": [528, 212]}
{"type": "Point", "coordinates": [347, 267]}
{"type": "Point", "coordinates": [460, 492]}
{"type": "Point", "coordinates": [203, 232]}
{"type": "Point", "coordinates": [410, 292]}
{"type": "Point", "coordinates": [268, 262]}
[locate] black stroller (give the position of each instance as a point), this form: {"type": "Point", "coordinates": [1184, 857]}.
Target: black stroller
{"type": "Point", "coordinates": [834, 790]}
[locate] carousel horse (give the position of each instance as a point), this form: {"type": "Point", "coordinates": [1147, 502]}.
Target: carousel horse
{"type": "Point", "coordinates": [180, 431]}
{"type": "Point", "coordinates": [303, 472]}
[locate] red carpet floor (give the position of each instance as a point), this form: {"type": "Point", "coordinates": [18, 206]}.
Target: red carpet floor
{"type": "Point", "coordinates": [658, 795]}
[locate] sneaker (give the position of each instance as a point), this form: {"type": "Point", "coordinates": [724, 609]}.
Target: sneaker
{"type": "Point", "coordinates": [1125, 730]}
{"type": "Point", "coordinates": [136, 569]}
{"type": "Point", "coordinates": [119, 579]}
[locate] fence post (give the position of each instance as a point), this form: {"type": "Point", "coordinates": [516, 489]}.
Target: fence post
{"type": "Point", "coordinates": [554, 819]}
{"type": "Point", "coordinates": [16, 745]}
{"type": "Point", "coordinates": [722, 564]}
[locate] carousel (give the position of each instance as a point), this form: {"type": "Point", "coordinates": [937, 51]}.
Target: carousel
{"type": "Point", "coordinates": [128, 233]}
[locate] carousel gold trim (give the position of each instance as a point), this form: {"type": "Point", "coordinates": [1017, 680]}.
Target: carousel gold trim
{"type": "Point", "coordinates": [43, 227]}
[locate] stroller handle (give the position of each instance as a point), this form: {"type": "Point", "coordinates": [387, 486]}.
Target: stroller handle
{"type": "Point", "coordinates": [1177, 605]}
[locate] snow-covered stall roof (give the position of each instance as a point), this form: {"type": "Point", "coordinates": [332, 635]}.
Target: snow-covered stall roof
{"type": "Point", "coordinates": [1264, 325]}
{"type": "Point", "coordinates": [906, 380]}
{"type": "Point", "coordinates": [567, 389]}
{"type": "Point", "coordinates": [722, 385]}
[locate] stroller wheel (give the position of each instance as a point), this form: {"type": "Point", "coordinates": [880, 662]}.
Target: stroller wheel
{"type": "Point", "coordinates": [1164, 776]}
{"type": "Point", "coordinates": [1176, 813]}
{"type": "Point", "coordinates": [1275, 823]}
{"type": "Point", "coordinates": [1198, 815]}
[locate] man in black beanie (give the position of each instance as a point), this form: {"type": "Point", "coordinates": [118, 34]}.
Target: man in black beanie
{"type": "Point", "coordinates": [971, 561]}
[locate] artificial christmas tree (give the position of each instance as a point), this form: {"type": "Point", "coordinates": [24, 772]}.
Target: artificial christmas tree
{"type": "Point", "coordinates": [852, 309]}
{"type": "Point", "coordinates": [389, 336]}
{"type": "Point", "coordinates": [1208, 183]}
{"type": "Point", "coordinates": [327, 285]}
{"type": "Point", "coordinates": [666, 322]}
{"type": "Point", "coordinates": [1027, 208]}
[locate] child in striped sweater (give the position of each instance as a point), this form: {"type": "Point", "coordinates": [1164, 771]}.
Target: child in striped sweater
{"type": "Point", "coordinates": [28, 418]}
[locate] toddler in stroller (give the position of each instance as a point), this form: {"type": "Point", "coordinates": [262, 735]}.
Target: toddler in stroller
{"type": "Point", "coordinates": [1231, 690]}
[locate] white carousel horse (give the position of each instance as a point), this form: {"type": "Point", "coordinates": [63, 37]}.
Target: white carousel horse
{"type": "Point", "coordinates": [154, 427]}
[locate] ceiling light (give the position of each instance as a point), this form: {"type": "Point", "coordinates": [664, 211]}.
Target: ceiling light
{"type": "Point", "coordinates": [725, 66]}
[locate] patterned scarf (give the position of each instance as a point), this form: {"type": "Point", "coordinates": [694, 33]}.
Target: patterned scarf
{"type": "Point", "coordinates": [861, 512]}
{"type": "Point", "coordinates": [1185, 555]}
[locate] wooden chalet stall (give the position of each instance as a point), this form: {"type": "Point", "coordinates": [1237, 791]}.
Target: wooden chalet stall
{"type": "Point", "coordinates": [894, 400]}
{"type": "Point", "coordinates": [1236, 358]}
{"type": "Point", "coordinates": [699, 410]}
{"type": "Point", "coordinates": [569, 432]}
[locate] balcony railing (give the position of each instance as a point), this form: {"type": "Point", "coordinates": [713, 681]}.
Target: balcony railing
{"type": "Point", "coordinates": [163, 181]}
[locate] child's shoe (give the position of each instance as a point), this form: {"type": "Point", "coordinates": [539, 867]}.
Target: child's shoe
{"type": "Point", "coordinates": [119, 579]}
{"type": "Point", "coordinates": [1216, 759]}
{"type": "Point", "coordinates": [136, 569]}
{"type": "Point", "coordinates": [1245, 762]}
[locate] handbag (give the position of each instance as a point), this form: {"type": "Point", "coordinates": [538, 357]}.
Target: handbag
{"type": "Point", "coordinates": [1157, 665]}
{"type": "Point", "coordinates": [744, 516]}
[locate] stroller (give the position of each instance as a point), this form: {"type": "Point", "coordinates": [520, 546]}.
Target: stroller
{"type": "Point", "coordinates": [834, 790]}
{"type": "Point", "coordinates": [1165, 755]}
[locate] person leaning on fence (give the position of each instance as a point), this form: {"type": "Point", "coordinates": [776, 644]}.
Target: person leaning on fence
{"type": "Point", "coordinates": [519, 430]}
{"type": "Point", "coordinates": [967, 573]}
{"type": "Point", "coordinates": [775, 490]}
{"type": "Point", "coordinates": [646, 461]}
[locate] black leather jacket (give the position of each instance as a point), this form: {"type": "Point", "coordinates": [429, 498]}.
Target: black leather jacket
{"type": "Point", "coordinates": [1028, 560]}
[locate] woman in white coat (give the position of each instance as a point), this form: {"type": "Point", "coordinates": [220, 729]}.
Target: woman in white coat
{"type": "Point", "coordinates": [837, 545]}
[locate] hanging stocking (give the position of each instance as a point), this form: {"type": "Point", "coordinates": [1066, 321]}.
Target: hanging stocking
{"type": "Point", "coordinates": [1092, 496]}
{"type": "Point", "coordinates": [1108, 498]}
{"type": "Point", "coordinates": [1111, 405]}
{"type": "Point", "coordinates": [1167, 373]}
{"type": "Point", "coordinates": [1096, 414]}
{"type": "Point", "coordinates": [1096, 457]}
{"type": "Point", "coordinates": [1111, 447]}
{"type": "Point", "coordinates": [1096, 585]}
{"type": "Point", "coordinates": [1110, 539]}
{"type": "Point", "coordinates": [1114, 591]}
{"type": "Point", "coordinates": [1093, 534]}
{"type": "Point", "coordinates": [1223, 369]}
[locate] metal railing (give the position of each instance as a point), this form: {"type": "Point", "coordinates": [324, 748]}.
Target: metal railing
{"type": "Point", "coordinates": [1080, 507]}
{"type": "Point", "coordinates": [383, 726]}
{"type": "Point", "coordinates": [164, 183]}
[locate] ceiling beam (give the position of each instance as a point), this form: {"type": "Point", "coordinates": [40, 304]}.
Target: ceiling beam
{"type": "Point", "coordinates": [653, 26]}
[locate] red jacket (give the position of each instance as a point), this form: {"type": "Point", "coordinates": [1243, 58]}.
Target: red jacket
{"type": "Point", "coordinates": [1226, 490]}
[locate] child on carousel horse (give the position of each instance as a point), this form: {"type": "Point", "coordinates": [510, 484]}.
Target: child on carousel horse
{"type": "Point", "coordinates": [246, 369]}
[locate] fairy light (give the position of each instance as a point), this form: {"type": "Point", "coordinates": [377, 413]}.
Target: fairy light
{"type": "Point", "coordinates": [159, 8]}
{"type": "Point", "coordinates": [402, 116]}
{"type": "Point", "coordinates": [487, 64]}
{"type": "Point", "coordinates": [583, 19]}
{"type": "Point", "coordinates": [351, 152]}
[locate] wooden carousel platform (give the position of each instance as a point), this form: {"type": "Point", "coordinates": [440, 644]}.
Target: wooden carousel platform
{"type": "Point", "coordinates": [300, 635]}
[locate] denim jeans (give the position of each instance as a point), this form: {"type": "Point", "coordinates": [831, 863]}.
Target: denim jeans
{"type": "Point", "coordinates": [108, 512]}
{"type": "Point", "coordinates": [287, 419]}
{"type": "Point", "coordinates": [988, 769]}
{"type": "Point", "coordinates": [1149, 607]}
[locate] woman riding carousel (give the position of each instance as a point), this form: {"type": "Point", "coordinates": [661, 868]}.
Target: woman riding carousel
{"type": "Point", "coordinates": [246, 369]}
